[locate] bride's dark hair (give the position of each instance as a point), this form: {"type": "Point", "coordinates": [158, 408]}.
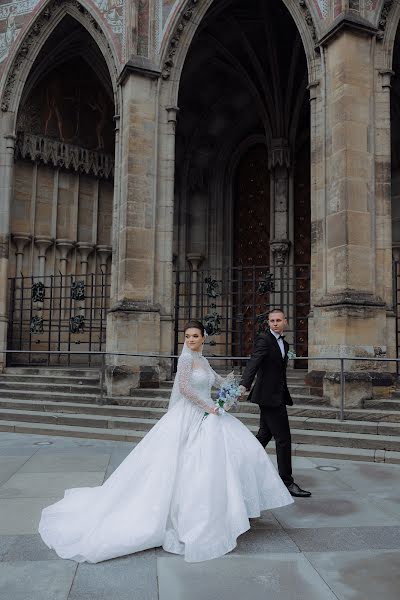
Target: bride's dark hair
{"type": "Point", "coordinates": [195, 325]}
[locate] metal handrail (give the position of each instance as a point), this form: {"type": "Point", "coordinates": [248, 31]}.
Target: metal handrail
{"type": "Point", "coordinates": [103, 355]}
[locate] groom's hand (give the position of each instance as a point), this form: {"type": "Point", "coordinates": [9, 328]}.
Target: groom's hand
{"type": "Point", "coordinates": [242, 391]}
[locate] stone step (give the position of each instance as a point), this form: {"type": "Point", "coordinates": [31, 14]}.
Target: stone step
{"type": "Point", "coordinates": [358, 434]}
{"type": "Point", "coordinates": [158, 408]}
{"type": "Point", "coordinates": [71, 387]}
{"type": "Point", "coordinates": [44, 395]}
{"type": "Point", "coordinates": [11, 378]}
{"type": "Point", "coordinates": [384, 404]}
{"type": "Point", "coordinates": [303, 447]}
{"type": "Point", "coordinates": [53, 371]}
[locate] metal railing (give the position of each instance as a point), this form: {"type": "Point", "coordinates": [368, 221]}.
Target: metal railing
{"type": "Point", "coordinates": [232, 360]}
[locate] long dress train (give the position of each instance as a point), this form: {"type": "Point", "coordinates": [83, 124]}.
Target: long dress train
{"type": "Point", "coordinates": [190, 485]}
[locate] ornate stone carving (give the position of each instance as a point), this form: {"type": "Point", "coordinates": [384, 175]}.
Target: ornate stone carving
{"type": "Point", "coordinates": [308, 19]}
{"type": "Point", "coordinates": [174, 43]}
{"type": "Point", "coordinates": [31, 39]}
{"type": "Point", "coordinates": [60, 154]}
{"type": "Point", "coordinates": [280, 251]}
{"type": "Point", "coordinates": [386, 8]}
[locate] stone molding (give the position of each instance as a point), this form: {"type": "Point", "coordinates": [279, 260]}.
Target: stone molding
{"type": "Point", "coordinates": [347, 21]}
{"type": "Point", "coordinates": [349, 298]}
{"type": "Point", "coordinates": [133, 306]}
{"type": "Point", "coordinates": [61, 154]}
{"type": "Point", "coordinates": [383, 18]}
{"type": "Point", "coordinates": [140, 65]}
{"type": "Point", "coordinates": [26, 51]}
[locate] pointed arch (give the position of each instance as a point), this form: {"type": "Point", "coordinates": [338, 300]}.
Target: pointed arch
{"type": "Point", "coordinates": [36, 36]}
{"type": "Point", "coordinates": [188, 17]}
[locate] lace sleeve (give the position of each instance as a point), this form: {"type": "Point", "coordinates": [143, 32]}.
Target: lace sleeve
{"type": "Point", "coordinates": [184, 371]}
{"type": "Point", "coordinates": [218, 379]}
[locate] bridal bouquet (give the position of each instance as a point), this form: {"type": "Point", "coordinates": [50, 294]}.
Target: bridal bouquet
{"type": "Point", "coordinates": [227, 394]}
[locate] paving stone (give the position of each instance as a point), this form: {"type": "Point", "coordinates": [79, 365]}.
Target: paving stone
{"type": "Point", "coordinates": [47, 580]}
{"type": "Point", "coordinates": [6, 541]}
{"type": "Point", "coordinates": [360, 575]}
{"type": "Point", "coordinates": [342, 509]}
{"type": "Point", "coordinates": [22, 515]}
{"type": "Point", "coordinates": [65, 462]}
{"type": "Point", "coordinates": [328, 539]}
{"type": "Point", "coordinates": [262, 540]}
{"type": "Point", "coordinates": [274, 577]}
{"type": "Point", "coordinates": [130, 578]}
{"type": "Point", "coordinates": [320, 481]}
{"type": "Point", "coordinates": [9, 465]}
{"type": "Point", "coordinates": [29, 547]}
{"type": "Point", "coordinates": [366, 476]}
{"type": "Point", "coordinates": [36, 485]}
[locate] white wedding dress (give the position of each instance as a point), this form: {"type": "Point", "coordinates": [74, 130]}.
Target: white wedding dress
{"type": "Point", "coordinates": [190, 485]}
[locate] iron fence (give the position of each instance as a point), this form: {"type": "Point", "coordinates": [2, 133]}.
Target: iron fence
{"type": "Point", "coordinates": [234, 304]}
{"type": "Point", "coordinates": [57, 312]}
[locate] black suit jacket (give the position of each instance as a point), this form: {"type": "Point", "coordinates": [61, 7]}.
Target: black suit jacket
{"type": "Point", "coordinates": [267, 363]}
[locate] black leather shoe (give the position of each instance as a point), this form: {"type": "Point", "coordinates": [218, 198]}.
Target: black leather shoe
{"type": "Point", "coordinates": [297, 492]}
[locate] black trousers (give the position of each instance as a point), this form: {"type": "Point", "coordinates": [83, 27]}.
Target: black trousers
{"type": "Point", "coordinates": [274, 423]}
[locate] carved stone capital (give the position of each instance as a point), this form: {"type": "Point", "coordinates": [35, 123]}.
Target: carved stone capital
{"type": "Point", "coordinates": [64, 247]}
{"type": "Point", "coordinates": [20, 240]}
{"type": "Point", "coordinates": [43, 242]}
{"type": "Point", "coordinates": [103, 252]}
{"type": "Point", "coordinates": [195, 259]}
{"type": "Point", "coordinates": [280, 251]}
{"type": "Point", "coordinates": [85, 248]}
{"type": "Point", "coordinates": [280, 153]}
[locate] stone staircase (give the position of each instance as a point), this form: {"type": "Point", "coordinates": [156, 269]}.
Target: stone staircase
{"type": "Point", "coordinates": [66, 402]}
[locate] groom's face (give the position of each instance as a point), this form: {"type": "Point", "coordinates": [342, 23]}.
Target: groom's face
{"type": "Point", "coordinates": [277, 322]}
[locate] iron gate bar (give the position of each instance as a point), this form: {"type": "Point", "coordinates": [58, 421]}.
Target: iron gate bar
{"type": "Point", "coordinates": [55, 317]}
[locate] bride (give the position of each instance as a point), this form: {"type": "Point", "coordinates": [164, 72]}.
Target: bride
{"type": "Point", "coordinates": [190, 485]}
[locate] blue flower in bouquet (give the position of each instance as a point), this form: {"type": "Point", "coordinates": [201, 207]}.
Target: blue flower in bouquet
{"type": "Point", "coordinates": [227, 394]}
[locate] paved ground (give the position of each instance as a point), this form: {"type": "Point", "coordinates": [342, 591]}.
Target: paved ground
{"type": "Point", "coordinates": [343, 543]}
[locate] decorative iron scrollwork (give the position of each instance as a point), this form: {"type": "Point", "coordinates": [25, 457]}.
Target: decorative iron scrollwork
{"type": "Point", "coordinates": [266, 284]}
{"type": "Point", "coordinates": [262, 322]}
{"type": "Point", "coordinates": [36, 325]}
{"type": "Point", "coordinates": [212, 323]}
{"type": "Point", "coordinates": [212, 288]}
{"type": "Point", "coordinates": [78, 290]}
{"type": "Point", "coordinates": [77, 324]}
{"type": "Point", "coordinates": [38, 292]}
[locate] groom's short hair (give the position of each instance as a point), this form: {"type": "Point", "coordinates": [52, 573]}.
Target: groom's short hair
{"type": "Point", "coordinates": [276, 310]}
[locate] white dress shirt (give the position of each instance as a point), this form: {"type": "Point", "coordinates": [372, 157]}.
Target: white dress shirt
{"type": "Point", "coordinates": [280, 342]}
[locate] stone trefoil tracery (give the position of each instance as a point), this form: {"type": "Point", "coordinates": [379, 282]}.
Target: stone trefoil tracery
{"type": "Point", "coordinates": [61, 154]}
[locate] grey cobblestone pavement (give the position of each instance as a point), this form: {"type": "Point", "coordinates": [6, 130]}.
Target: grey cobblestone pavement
{"type": "Point", "coordinates": [343, 543]}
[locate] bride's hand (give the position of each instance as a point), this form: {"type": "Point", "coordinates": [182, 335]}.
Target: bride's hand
{"type": "Point", "coordinates": [214, 411]}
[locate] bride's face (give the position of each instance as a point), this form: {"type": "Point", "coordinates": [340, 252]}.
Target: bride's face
{"type": "Point", "coordinates": [194, 339]}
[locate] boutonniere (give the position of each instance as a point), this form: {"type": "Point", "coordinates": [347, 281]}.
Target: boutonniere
{"type": "Point", "coordinates": [291, 355]}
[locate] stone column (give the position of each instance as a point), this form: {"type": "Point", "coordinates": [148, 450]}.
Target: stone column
{"type": "Point", "coordinates": [279, 164]}
{"type": "Point", "coordinates": [64, 247]}
{"type": "Point", "coordinates": [7, 148]}
{"type": "Point", "coordinates": [194, 261]}
{"type": "Point", "coordinates": [133, 324]}
{"type": "Point", "coordinates": [164, 284]}
{"type": "Point", "coordinates": [43, 243]}
{"type": "Point", "coordinates": [103, 252]}
{"type": "Point", "coordinates": [351, 240]}
{"type": "Point", "coordinates": [20, 240]}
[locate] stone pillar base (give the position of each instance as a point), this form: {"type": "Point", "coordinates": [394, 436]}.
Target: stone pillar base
{"type": "Point", "coordinates": [132, 327]}
{"type": "Point", "coordinates": [359, 386]}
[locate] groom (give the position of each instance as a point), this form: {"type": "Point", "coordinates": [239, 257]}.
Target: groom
{"type": "Point", "coordinates": [270, 392]}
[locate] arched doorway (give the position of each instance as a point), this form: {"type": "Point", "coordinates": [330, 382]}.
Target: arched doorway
{"type": "Point", "coordinates": [61, 212]}
{"type": "Point", "coordinates": [242, 179]}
